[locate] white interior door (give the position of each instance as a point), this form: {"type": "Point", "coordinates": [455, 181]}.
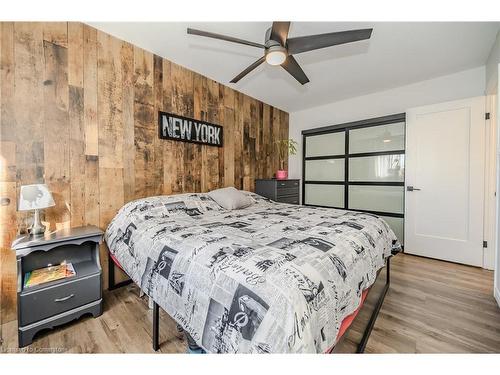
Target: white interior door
{"type": "Point", "coordinates": [445, 169]}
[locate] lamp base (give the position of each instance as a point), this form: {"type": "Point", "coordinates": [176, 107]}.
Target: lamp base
{"type": "Point", "coordinates": [37, 228]}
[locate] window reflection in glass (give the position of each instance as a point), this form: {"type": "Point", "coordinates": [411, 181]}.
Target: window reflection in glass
{"type": "Point", "coordinates": [390, 168]}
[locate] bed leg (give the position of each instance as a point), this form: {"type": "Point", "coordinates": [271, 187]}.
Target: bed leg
{"type": "Point", "coordinates": [373, 318]}
{"type": "Point", "coordinates": [112, 284]}
{"type": "Point", "coordinates": [111, 273]}
{"type": "Point", "coordinates": [156, 326]}
{"type": "Point", "coordinates": [388, 272]}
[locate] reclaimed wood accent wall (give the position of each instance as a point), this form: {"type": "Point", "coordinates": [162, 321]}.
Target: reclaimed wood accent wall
{"type": "Point", "coordinates": [79, 112]}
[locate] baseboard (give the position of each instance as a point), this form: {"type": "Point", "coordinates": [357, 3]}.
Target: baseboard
{"type": "Point", "coordinates": [497, 295]}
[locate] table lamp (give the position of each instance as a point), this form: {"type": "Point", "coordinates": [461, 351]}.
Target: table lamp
{"type": "Point", "coordinates": [35, 197]}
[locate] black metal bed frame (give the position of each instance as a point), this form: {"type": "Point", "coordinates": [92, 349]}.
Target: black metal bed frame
{"type": "Point", "coordinates": [156, 308]}
{"type": "Point", "coordinates": [378, 306]}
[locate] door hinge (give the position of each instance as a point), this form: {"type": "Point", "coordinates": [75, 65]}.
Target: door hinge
{"type": "Point", "coordinates": [485, 244]}
{"type": "Point", "coordinates": [487, 115]}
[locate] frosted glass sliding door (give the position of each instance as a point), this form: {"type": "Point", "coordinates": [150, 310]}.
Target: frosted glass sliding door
{"type": "Point", "coordinates": [325, 170]}
{"type": "Point", "coordinates": [376, 198]}
{"type": "Point", "coordinates": [390, 137]}
{"type": "Point", "coordinates": [325, 144]}
{"type": "Point", "coordinates": [358, 166]}
{"type": "Point", "coordinates": [324, 195]}
{"type": "Point", "coordinates": [389, 168]}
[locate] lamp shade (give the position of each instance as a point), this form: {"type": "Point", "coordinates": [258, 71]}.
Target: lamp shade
{"type": "Point", "coordinates": [35, 197]}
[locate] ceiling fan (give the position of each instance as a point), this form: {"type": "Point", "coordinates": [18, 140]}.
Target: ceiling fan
{"type": "Point", "coordinates": [279, 49]}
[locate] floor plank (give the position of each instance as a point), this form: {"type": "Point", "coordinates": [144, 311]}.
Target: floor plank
{"type": "Point", "coordinates": [431, 307]}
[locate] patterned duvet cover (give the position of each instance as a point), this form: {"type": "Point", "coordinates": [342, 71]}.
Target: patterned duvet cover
{"type": "Point", "coordinates": [272, 277]}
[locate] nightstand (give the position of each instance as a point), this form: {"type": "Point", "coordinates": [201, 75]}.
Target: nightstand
{"type": "Point", "coordinates": [57, 302]}
{"type": "Point", "coordinates": [283, 191]}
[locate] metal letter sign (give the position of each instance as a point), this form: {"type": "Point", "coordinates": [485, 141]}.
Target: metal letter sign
{"type": "Point", "coordinates": [179, 128]}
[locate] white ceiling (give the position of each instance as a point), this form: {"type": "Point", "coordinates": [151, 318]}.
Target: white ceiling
{"type": "Point", "coordinates": [397, 54]}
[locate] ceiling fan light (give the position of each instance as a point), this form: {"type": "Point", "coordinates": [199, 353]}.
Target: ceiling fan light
{"type": "Point", "coordinates": [276, 55]}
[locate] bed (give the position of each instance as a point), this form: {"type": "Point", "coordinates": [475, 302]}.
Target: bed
{"type": "Point", "coordinates": [269, 278]}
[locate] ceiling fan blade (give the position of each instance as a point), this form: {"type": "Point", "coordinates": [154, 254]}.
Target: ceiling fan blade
{"type": "Point", "coordinates": [224, 37]}
{"type": "Point", "coordinates": [312, 42]}
{"type": "Point", "coordinates": [279, 32]}
{"type": "Point", "coordinates": [249, 69]}
{"type": "Point", "coordinates": [292, 66]}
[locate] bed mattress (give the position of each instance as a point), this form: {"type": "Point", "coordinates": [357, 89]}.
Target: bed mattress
{"type": "Point", "coordinates": [272, 277]}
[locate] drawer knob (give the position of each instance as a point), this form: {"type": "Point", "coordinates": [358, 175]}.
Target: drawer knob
{"type": "Point", "coordinates": [64, 298]}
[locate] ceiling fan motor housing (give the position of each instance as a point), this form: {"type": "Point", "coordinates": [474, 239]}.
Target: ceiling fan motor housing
{"type": "Point", "coordinates": [268, 42]}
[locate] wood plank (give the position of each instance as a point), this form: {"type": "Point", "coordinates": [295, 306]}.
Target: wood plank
{"type": "Point", "coordinates": [111, 199]}
{"type": "Point", "coordinates": [28, 102]}
{"type": "Point", "coordinates": [7, 257]}
{"type": "Point", "coordinates": [220, 150]}
{"type": "Point", "coordinates": [267, 140]}
{"type": "Point", "coordinates": [91, 129]}
{"type": "Point", "coordinates": [157, 142]}
{"type": "Point", "coordinates": [7, 65]}
{"type": "Point", "coordinates": [77, 164]}
{"type": "Point", "coordinates": [260, 155]}
{"type": "Point", "coordinates": [238, 141]}
{"type": "Point", "coordinates": [168, 146]}
{"type": "Point", "coordinates": [200, 113]}
{"type": "Point", "coordinates": [90, 90]}
{"type": "Point", "coordinates": [248, 144]}
{"type": "Point", "coordinates": [229, 124]}
{"type": "Point", "coordinates": [92, 199]}
{"type": "Point", "coordinates": [109, 102]}
{"type": "Point", "coordinates": [144, 121]}
{"type": "Point", "coordinates": [180, 105]}
{"type": "Point", "coordinates": [284, 131]}
{"type": "Point", "coordinates": [56, 33]}
{"type": "Point", "coordinates": [211, 153]}
{"type": "Point", "coordinates": [76, 113]}
{"type": "Point", "coordinates": [56, 134]}
{"type": "Point", "coordinates": [110, 133]}
{"type": "Point", "coordinates": [276, 136]}
{"type": "Point", "coordinates": [75, 54]}
{"type": "Point", "coordinates": [8, 174]}
{"type": "Point", "coordinates": [128, 82]}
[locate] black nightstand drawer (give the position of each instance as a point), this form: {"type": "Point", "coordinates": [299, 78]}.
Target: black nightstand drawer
{"type": "Point", "coordinates": [284, 191]}
{"type": "Point", "coordinates": [289, 199]}
{"type": "Point", "coordinates": [41, 304]}
{"type": "Point", "coordinates": [287, 184]}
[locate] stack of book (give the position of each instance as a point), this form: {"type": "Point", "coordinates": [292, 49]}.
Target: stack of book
{"type": "Point", "coordinates": [47, 274]}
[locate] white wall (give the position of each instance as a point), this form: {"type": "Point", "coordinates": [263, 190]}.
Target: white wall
{"type": "Point", "coordinates": [460, 85]}
{"type": "Point", "coordinates": [492, 67]}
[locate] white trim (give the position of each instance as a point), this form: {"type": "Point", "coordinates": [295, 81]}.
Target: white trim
{"type": "Point", "coordinates": [490, 182]}
{"type": "Point", "coordinates": [497, 295]}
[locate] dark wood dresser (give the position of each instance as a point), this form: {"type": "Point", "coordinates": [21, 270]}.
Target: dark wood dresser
{"type": "Point", "coordinates": [283, 191]}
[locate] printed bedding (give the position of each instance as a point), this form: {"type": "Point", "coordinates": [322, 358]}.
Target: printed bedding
{"type": "Point", "coordinates": [272, 277]}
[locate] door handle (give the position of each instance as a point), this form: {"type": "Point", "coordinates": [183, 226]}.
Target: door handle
{"type": "Point", "coordinates": [411, 188]}
{"type": "Point", "coordinates": [64, 298]}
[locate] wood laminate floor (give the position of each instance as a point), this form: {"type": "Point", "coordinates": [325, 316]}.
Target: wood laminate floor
{"type": "Point", "coordinates": [431, 307]}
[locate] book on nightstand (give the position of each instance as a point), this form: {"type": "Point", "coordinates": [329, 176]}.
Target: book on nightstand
{"type": "Point", "coordinates": [47, 274]}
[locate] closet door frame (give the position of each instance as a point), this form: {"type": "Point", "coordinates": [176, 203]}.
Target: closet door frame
{"type": "Point", "coordinates": [346, 128]}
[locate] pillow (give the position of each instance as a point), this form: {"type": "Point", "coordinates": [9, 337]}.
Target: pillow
{"type": "Point", "coordinates": [230, 198]}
